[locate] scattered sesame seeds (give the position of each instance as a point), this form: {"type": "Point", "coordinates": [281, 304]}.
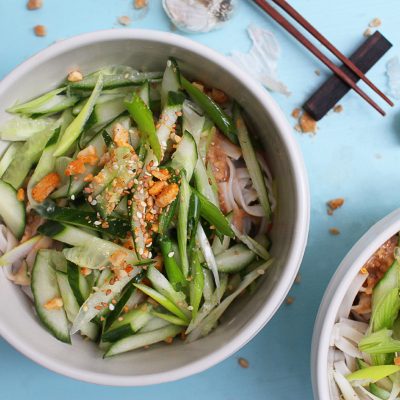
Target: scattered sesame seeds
{"type": "Point", "coordinates": [111, 307]}
{"type": "Point", "coordinates": [190, 308]}
{"type": "Point", "coordinates": [171, 254]}
{"type": "Point", "coordinates": [72, 197]}
{"type": "Point", "coordinates": [85, 308]}
{"type": "Point", "coordinates": [260, 272]}
{"type": "Point", "coordinates": [94, 202]}
{"type": "Point", "coordinates": [97, 223]}
{"type": "Point", "coordinates": [243, 362]}
{"type": "Point", "coordinates": [120, 319]}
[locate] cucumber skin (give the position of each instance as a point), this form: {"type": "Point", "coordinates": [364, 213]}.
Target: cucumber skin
{"type": "Point", "coordinates": [43, 319]}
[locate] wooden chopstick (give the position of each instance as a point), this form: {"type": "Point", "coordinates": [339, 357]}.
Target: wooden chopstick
{"type": "Point", "coordinates": [322, 39]}
{"type": "Point", "coordinates": [274, 14]}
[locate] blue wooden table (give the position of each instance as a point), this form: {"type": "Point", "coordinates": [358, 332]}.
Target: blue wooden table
{"type": "Point", "coordinates": [354, 155]}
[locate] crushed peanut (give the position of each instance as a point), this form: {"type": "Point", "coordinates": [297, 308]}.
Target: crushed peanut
{"type": "Point", "coordinates": [40, 30]}
{"type": "Point", "coordinates": [34, 4]}
{"type": "Point", "coordinates": [138, 4]}
{"type": "Point", "coordinates": [218, 96]}
{"type": "Point", "coordinates": [75, 76]}
{"type": "Point", "coordinates": [167, 195]}
{"type": "Point", "coordinates": [124, 20]}
{"type": "Point", "coordinates": [21, 194]}
{"type": "Point", "coordinates": [161, 174]}
{"type": "Point", "coordinates": [45, 186]}
{"type": "Point", "coordinates": [296, 113]}
{"type": "Point", "coordinates": [54, 304]}
{"type": "Point", "coordinates": [243, 362]}
{"type": "Point", "coordinates": [334, 231]}
{"type": "Point", "coordinates": [334, 204]}
{"type": "Point", "coordinates": [307, 124]}
{"type": "Point", "coordinates": [289, 300]}
{"type": "Point", "coordinates": [157, 188]}
{"type": "Point", "coordinates": [338, 108]}
{"type": "Point", "coordinates": [375, 23]}
{"type": "Point", "coordinates": [367, 32]}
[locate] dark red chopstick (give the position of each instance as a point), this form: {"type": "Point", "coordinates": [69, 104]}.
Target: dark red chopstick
{"type": "Point", "coordinates": [274, 14]}
{"type": "Point", "coordinates": [322, 39]}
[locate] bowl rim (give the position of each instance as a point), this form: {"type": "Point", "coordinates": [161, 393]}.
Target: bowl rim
{"type": "Point", "coordinates": [348, 269]}
{"type": "Point", "coordinates": [301, 224]}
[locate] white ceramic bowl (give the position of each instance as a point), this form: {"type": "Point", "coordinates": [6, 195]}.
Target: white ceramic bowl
{"type": "Point", "coordinates": [337, 292]}
{"type": "Point", "coordinates": [150, 50]}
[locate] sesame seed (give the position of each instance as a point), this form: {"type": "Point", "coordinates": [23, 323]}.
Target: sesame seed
{"type": "Point", "coordinates": [85, 308]}
{"type": "Point", "coordinates": [94, 202]}
{"type": "Point", "coordinates": [72, 197]}
{"type": "Point", "coordinates": [111, 307]}
{"type": "Point", "coordinates": [120, 319]}
{"type": "Point", "coordinates": [260, 272]}
{"type": "Point", "coordinates": [171, 254]}
{"type": "Point", "coordinates": [97, 223]}
{"type": "Point", "coordinates": [190, 308]}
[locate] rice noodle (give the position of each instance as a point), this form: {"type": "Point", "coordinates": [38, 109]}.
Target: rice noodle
{"type": "Point", "coordinates": [345, 386]}
{"type": "Point", "coordinates": [359, 326]}
{"type": "Point", "coordinates": [44, 243]}
{"type": "Point", "coordinates": [348, 300]}
{"type": "Point", "coordinates": [347, 347]}
{"type": "Point", "coordinates": [7, 242]}
{"type": "Point", "coordinates": [230, 149]}
{"type": "Point", "coordinates": [343, 329]}
{"type": "Point", "coordinates": [341, 367]}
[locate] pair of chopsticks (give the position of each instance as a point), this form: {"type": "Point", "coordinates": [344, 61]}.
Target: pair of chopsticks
{"type": "Point", "coordinates": [281, 20]}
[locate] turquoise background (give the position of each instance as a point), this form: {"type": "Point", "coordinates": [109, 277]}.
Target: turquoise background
{"type": "Point", "coordinates": [354, 155]}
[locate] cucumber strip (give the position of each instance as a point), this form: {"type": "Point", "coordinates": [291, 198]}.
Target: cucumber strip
{"type": "Point", "coordinates": [192, 121]}
{"type": "Point", "coordinates": [161, 284]}
{"type": "Point", "coordinates": [9, 155]}
{"type": "Point", "coordinates": [170, 318]}
{"type": "Point", "coordinates": [57, 104]}
{"type": "Point", "coordinates": [45, 165]}
{"type": "Point", "coordinates": [131, 322]}
{"type": "Point", "coordinates": [28, 155]}
{"type": "Point", "coordinates": [22, 128]}
{"type": "Point", "coordinates": [234, 259]}
{"type": "Point", "coordinates": [45, 288]}
{"type": "Point", "coordinates": [252, 244]}
{"type": "Point", "coordinates": [96, 253]}
{"type": "Point", "coordinates": [105, 112]}
{"type": "Point", "coordinates": [219, 246]}
{"type": "Point", "coordinates": [171, 80]}
{"type": "Point", "coordinates": [128, 294]}
{"type": "Point", "coordinates": [78, 283]}
{"type": "Point", "coordinates": [207, 253]}
{"type": "Point", "coordinates": [12, 211]}
{"type": "Point", "coordinates": [142, 339]}
{"type": "Point", "coordinates": [213, 111]}
{"type": "Point", "coordinates": [253, 166]}
{"type": "Point", "coordinates": [75, 128]}
{"type": "Point", "coordinates": [214, 216]}
{"type": "Point", "coordinates": [205, 326]}
{"type": "Point", "coordinates": [168, 118]}
{"type": "Point", "coordinates": [185, 156]}
{"type": "Point", "coordinates": [208, 287]}
{"type": "Point", "coordinates": [163, 301]}
{"type": "Point", "coordinates": [104, 277]}
{"type": "Point", "coordinates": [19, 252]}
{"type": "Point", "coordinates": [183, 212]}
{"type": "Point", "coordinates": [88, 309]}
{"type": "Point", "coordinates": [196, 283]}
{"type": "Point", "coordinates": [144, 93]}
{"type": "Point", "coordinates": [91, 331]}
{"type": "Point", "coordinates": [172, 269]}
{"type": "Point", "coordinates": [31, 106]}
{"type": "Point", "coordinates": [114, 80]}
{"type": "Point", "coordinates": [154, 324]}
{"type": "Point", "coordinates": [379, 392]}
{"type": "Point", "coordinates": [84, 219]}
{"type": "Point", "coordinates": [143, 116]}
{"type": "Point", "coordinates": [202, 183]}
{"type": "Point", "coordinates": [58, 260]}
{"type": "Point", "coordinates": [64, 233]}
{"type": "Point", "coordinates": [71, 306]}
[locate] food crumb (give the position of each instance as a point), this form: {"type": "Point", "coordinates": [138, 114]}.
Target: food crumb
{"type": "Point", "coordinates": [397, 361]}
{"type": "Point", "coordinates": [124, 20]}
{"type": "Point", "coordinates": [297, 128]}
{"type": "Point", "coordinates": [308, 124]}
{"type": "Point", "coordinates": [296, 113]}
{"type": "Point", "coordinates": [138, 4]}
{"type": "Point", "coordinates": [75, 76]}
{"type": "Point", "coordinates": [367, 32]}
{"type": "Point", "coordinates": [334, 231]}
{"type": "Point", "coordinates": [297, 279]}
{"type": "Point", "coordinates": [289, 300]}
{"type": "Point", "coordinates": [375, 23]}
{"type": "Point", "coordinates": [40, 30]}
{"type": "Point", "coordinates": [317, 72]}
{"type": "Point", "coordinates": [34, 4]}
{"type": "Point", "coordinates": [334, 204]}
{"type": "Point", "coordinates": [338, 108]}
{"type": "Point", "coordinates": [243, 362]}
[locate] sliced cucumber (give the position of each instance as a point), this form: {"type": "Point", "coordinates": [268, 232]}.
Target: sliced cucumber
{"type": "Point", "coordinates": [171, 80]}
{"type": "Point", "coordinates": [143, 339]}
{"type": "Point", "coordinates": [103, 113]}
{"type": "Point", "coordinates": [22, 128]}
{"type": "Point", "coordinates": [75, 128]}
{"type": "Point", "coordinates": [252, 244]}
{"type": "Point", "coordinates": [28, 155]}
{"type": "Point", "coordinates": [130, 323]}
{"type": "Point", "coordinates": [193, 122]}
{"type": "Point", "coordinates": [185, 156]}
{"type": "Point", "coordinates": [71, 306]}
{"type": "Point", "coordinates": [45, 288]}
{"type": "Point", "coordinates": [9, 155]}
{"type": "Point", "coordinates": [203, 184]}
{"type": "Point", "coordinates": [12, 211]}
{"type": "Point", "coordinates": [31, 107]}
{"type": "Point", "coordinates": [84, 219]}
{"type": "Point", "coordinates": [79, 284]}
{"type": "Point", "coordinates": [234, 259]}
